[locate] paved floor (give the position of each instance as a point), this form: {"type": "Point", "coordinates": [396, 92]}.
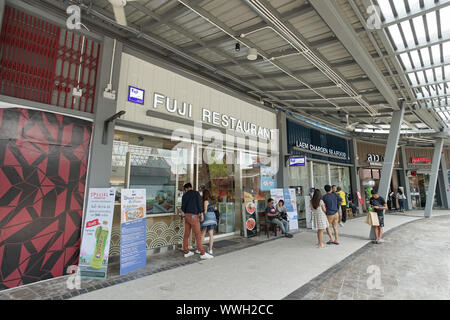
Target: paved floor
{"type": "Point", "coordinates": [243, 268]}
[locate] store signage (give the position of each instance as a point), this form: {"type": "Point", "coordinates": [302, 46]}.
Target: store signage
{"type": "Point", "coordinates": [321, 149]}
{"type": "Point", "coordinates": [223, 120]}
{"type": "Point", "coordinates": [421, 160]}
{"type": "Point", "coordinates": [297, 161]}
{"type": "Point", "coordinates": [94, 251]}
{"type": "Point", "coordinates": [133, 230]}
{"type": "Point", "coordinates": [374, 157]}
{"type": "Point", "coordinates": [136, 95]}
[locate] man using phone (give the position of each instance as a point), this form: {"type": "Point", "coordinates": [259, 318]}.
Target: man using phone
{"type": "Point", "coordinates": [378, 204]}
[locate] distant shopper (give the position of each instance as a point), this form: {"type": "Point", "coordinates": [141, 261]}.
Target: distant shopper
{"type": "Point", "coordinates": [208, 221]}
{"type": "Point", "coordinates": [192, 207]}
{"type": "Point", "coordinates": [389, 199]}
{"type": "Point", "coordinates": [393, 201]}
{"type": "Point", "coordinates": [339, 200]}
{"type": "Point", "coordinates": [331, 205]}
{"type": "Point", "coordinates": [281, 210]}
{"type": "Point", "coordinates": [378, 204]}
{"type": "Point", "coordinates": [320, 219]}
{"type": "Point", "coordinates": [274, 218]}
{"type": "Point", "coordinates": [401, 200]}
{"type": "Point", "coordinates": [343, 206]}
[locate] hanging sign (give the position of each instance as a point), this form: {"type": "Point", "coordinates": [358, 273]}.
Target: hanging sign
{"type": "Point", "coordinates": [297, 161]}
{"type": "Point", "coordinates": [133, 230]}
{"type": "Point", "coordinates": [94, 251]}
{"type": "Point", "coordinates": [136, 95]}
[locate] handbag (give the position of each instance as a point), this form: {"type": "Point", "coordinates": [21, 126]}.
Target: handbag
{"type": "Point", "coordinates": [372, 219]}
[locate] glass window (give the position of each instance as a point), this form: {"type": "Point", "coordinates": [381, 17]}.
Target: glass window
{"type": "Point", "coordinates": [340, 176]}
{"type": "Point", "coordinates": [299, 180]}
{"type": "Point", "coordinates": [320, 175]}
{"type": "Point", "coordinates": [151, 163]}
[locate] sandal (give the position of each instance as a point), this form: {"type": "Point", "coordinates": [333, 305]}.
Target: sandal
{"type": "Point", "coordinates": [334, 242]}
{"type": "Point", "coordinates": [330, 242]}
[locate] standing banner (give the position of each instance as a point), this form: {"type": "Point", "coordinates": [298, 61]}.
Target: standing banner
{"type": "Point", "coordinates": [290, 203]}
{"type": "Point", "coordinates": [133, 230]}
{"type": "Point", "coordinates": [250, 215]}
{"type": "Point", "coordinates": [94, 251]}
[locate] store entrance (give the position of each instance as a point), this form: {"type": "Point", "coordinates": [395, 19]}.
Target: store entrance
{"type": "Point", "coordinates": [419, 186]}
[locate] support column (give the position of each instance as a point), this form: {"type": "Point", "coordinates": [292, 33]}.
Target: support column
{"type": "Point", "coordinates": [433, 177]}
{"type": "Point", "coordinates": [404, 181]}
{"type": "Point", "coordinates": [443, 178]}
{"type": "Point", "coordinates": [101, 154]}
{"type": "Point", "coordinates": [354, 176]}
{"type": "Point", "coordinates": [283, 172]}
{"type": "Point", "coordinates": [389, 157]}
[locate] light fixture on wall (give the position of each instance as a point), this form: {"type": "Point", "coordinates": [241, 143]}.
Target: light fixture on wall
{"type": "Point", "coordinates": [252, 54]}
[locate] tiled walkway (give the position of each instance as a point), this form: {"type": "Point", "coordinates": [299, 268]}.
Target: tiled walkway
{"type": "Point", "coordinates": [416, 251]}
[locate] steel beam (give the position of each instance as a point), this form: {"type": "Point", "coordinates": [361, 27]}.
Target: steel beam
{"type": "Point", "coordinates": [404, 180]}
{"type": "Point", "coordinates": [433, 177]}
{"type": "Point", "coordinates": [331, 14]}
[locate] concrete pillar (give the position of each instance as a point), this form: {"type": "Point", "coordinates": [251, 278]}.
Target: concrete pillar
{"type": "Point", "coordinates": [354, 175]}
{"type": "Point", "coordinates": [283, 171]}
{"type": "Point", "coordinates": [389, 157]}
{"type": "Point", "coordinates": [100, 155]}
{"type": "Point", "coordinates": [404, 180]}
{"type": "Point", "coordinates": [434, 176]}
{"type": "Point", "coordinates": [443, 182]}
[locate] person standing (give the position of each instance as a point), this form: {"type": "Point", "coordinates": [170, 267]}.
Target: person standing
{"type": "Point", "coordinates": [274, 218]}
{"type": "Point", "coordinates": [343, 206]}
{"type": "Point", "coordinates": [378, 204]}
{"type": "Point", "coordinates": [401, 200]}
{"type": "Point", "coordinates": [320, 219]}
{"type": "Point", "coordinates": [208, 220]}
{"type": "Point", "coordinates": [331, 206]}
{"type": "Point", "coordinates": [191, 205]}
{"type": "Point", "coordinates": [339, 200]}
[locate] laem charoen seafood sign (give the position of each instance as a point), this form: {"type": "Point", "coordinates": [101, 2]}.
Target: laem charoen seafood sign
{"type": "Point", "coordinates": [226, 121]}
{"type": "Point", "coordinates": [327, 151]}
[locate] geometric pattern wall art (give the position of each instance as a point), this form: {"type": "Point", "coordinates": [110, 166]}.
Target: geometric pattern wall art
{"type": "Point", "coordinates": [43, 169]}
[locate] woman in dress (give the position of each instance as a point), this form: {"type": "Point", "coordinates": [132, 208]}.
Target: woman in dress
{"type": "Point", "coordinates": [208, 219]}
{"type": "Point", "coordinates": [320, 219]}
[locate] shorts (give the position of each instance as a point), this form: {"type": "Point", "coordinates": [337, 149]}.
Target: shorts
{"type": "Point", "coordinates": [208, 228]}
{"type": "Point", "coordinates": [333, 220]}
{"type": "Point", "coordinates": [381, 219]}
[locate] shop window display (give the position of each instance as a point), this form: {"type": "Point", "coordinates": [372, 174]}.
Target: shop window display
{"type": "Point", "coordinates": [150, 163]}
{"type": "Point", "coordinates": [340, 176]}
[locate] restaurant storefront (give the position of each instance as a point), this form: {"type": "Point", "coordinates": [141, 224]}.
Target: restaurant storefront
{"type": "Point", "coordinates": [419, 169]}
{"type": "Point", "coordinates": [370, 161]}
{"type": "Point", "coordinates": [177, 130]}
{"type": "Point", "coordinates": [326, 161]}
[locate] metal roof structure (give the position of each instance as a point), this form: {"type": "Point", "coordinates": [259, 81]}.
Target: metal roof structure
{"type": "Point", "coordinates": [321, 60]}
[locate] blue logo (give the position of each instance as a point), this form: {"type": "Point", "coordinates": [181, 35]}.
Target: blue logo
{"type": "Point", "coordinates": [297, 161]}
{"type": "Point", "coordinates": [136, 95]}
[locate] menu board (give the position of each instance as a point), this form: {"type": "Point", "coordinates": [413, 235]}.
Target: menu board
{"type": "Point", "coordinates": [290, 203]}
{"type": "Point", "coordinates": [133, 230]}
{"type": "Point", "coordinates": [250, 215]}
{"type": "Point", "coordinates": [94, 251]}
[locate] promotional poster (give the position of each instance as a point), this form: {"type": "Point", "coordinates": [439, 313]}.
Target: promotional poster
{"type": "Point", "coordinates": [290, 203]}
{"type": "Point", "coordinates": [97, 233]}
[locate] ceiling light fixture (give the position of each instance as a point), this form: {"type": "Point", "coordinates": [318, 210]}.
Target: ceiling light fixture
{"type": "Point", "coordinates": [252, 54]}
{"type": "Point", "coordinates": [238, 47]}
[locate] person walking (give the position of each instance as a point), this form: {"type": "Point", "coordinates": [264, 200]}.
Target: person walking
{"type": "Point", "coordinates": [191, 205]}
{"type": "Point", "coordinates": [208, 220]}
{"type": "Point", "coordinates": [320, 219]}
{"type": "Point", "coordinates": [401, 200]}
{"type": "Point", "coordinates": [378, 204]}
{"type": "Point", "coordinates": [274, 218]}
{"type": "Point", "coordinates": [331, 206]}
{"type": "Point", "coordinates": [343, 206]}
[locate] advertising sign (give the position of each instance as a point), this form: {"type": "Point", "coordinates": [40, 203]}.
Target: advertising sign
{"type": "Point", "coordinates": [290, 203]}
{"type": "Point", "coordinates": [358, 193]}
{"type": "Point", "coordinates": [94, 250]}
{"type": "Point", "coordinates": [268, 180]}
{"type": "Point", "coordinates": [297, 161]}
{"type": "Point", "coordinates": [250, 215]}
{"type": "Point", "coordinates": [133, 230]}
{"type": "Point", "coordinates": [136, 95]}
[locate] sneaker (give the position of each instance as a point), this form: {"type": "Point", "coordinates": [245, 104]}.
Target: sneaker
{"type": "Point", "coordinates": [341, 224]}
{"type": "Point", "coordinates": [210, 252]}
{"type": "Point", "coordinates": [206, 256]}
{"type": "Point", "coordinates": [197, 251]}
{"type": "Point", "coordinates": [189, 254]}
{"type": "Point", "coordinates": [288, 235]}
